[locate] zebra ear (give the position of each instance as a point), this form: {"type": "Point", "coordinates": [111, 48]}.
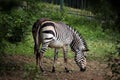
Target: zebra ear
{"type": "Point", "coordinates": [85, 50]}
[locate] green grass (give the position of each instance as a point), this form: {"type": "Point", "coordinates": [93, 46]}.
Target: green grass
{"type": "Point", "coordinates": [100, 43]}
{"type": "Point", "coordinates": [32, 72]}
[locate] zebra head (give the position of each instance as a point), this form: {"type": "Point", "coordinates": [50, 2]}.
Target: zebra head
{"type": "Point", "coordinates": [80, 59]}
{"type": "Point", "coordinates": [80, 48]}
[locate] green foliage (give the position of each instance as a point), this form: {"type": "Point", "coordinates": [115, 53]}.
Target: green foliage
{"type": "Point", "coordinates": [114, 62]}
{"type": "Point", "coordinates": [16, 37]}
{"type": "Point", "coordinates": [14, 25]}
{"type": "Point", "coordinates": [108, 12]}
{"type": "Point", "coordinates": [18, 24]}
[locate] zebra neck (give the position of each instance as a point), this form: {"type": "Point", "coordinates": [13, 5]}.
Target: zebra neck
{"type": "Point", "coordinates": [78, 43]}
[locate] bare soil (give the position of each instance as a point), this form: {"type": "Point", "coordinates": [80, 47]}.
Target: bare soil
{"type": "Point", "coordinates": [12, 69]}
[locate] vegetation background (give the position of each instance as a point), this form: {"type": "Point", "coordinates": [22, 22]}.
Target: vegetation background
{"type": "Point", "coordinates": [101, 30]}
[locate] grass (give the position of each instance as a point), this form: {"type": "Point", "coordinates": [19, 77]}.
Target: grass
{"type": "Point", "coordinates": [31, 72]}
{"type": "Point", "coordinates": [99, 43]}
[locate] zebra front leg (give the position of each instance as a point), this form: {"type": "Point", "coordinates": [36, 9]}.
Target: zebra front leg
{"type": "Point", "coordinates": [55, 59]}
{"type": "Point", "coordinates": [65, 49]}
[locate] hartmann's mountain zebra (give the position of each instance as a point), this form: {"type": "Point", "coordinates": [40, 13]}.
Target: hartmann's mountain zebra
{"type": "Point", "coordinates": [58, 35]}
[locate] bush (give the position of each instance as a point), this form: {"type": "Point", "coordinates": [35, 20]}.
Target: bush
{"type": "Point", "coordinates": [14, 25]}
{"type": "Point", "coordinates": [114, 63]}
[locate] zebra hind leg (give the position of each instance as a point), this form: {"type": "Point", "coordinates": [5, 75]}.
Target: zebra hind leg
{"type": "Point", "coordinates": [41, 62]}
{"type": "Point", "coordinates": [37, 58]}
{"type": "Point", "coordinates": [41, 52]}
{"type": "Point", "coordinates": [65, 51]}
{"type": "Point", "coordinates": [55, 59]}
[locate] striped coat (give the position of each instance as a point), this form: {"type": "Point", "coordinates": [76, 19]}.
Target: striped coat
{"type": "Point", "coordinates": [58, 35]}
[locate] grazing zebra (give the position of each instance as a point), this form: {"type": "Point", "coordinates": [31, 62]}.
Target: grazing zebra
{"type": "Point", "coordinates": [58, 35]}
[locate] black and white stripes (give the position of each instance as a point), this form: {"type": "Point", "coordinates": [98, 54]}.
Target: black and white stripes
{"type": "Point", "coordinates": [59, 35]}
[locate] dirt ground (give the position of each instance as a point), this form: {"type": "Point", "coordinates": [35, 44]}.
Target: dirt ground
{"type": "Point", "coordinates": [95, 70]}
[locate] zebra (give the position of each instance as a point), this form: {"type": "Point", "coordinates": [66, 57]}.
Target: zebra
{"type": "Point", "coordinates": [47, 33]}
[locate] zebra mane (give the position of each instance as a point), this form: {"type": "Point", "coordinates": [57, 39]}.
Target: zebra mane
{"type": "Point", "coordinates": [81, 37]}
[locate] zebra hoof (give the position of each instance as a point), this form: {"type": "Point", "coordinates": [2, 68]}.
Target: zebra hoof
{"type": "Point", "coordinates": [53, 70]}
{"type": "Point", "coordinates": [42, 70]}
{"type": "Point", "coordinates": [83, 69]}
{"type": "Point", "coordinates": [67, 71]}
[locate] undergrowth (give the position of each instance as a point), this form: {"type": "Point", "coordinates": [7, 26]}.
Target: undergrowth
{"type": "Point", "coordinates": [99, 43]}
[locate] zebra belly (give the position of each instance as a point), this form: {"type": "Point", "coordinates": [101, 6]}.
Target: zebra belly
{"type": "Point", "coordinates": [56, 44]}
